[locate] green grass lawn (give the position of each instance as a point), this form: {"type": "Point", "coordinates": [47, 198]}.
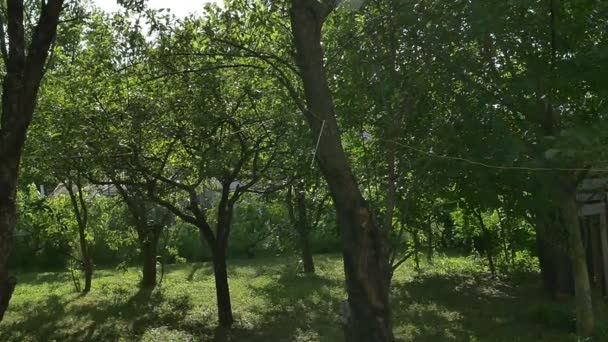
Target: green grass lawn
{"type": "Point", "coordinates": [448, 301]}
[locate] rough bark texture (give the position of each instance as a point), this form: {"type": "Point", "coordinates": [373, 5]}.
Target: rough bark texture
{"type": "Point", "coordinates": [24, 71]}
{"type": "Point", "coordinates": [365, 250]}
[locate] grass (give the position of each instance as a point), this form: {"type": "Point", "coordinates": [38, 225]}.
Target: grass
{"type": "Point", "coordinates": [448, 301]}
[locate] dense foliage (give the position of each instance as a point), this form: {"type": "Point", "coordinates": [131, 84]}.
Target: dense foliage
{"type": "Point", "coordinates": [465, 128]}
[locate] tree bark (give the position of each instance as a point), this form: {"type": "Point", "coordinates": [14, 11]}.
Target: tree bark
{"type": "Point", "coordinates": [149, 248]}
{"type": "Point", "coordinates": [8, 219]}
{"type": "Point", "coordinates": [365, 249]}
{"type": "Point", "coordinates": [222, 289]}
{"type": "Point", "coordinates": [24, 72]}
{"type": "Point", "coordinates": [219, 248]}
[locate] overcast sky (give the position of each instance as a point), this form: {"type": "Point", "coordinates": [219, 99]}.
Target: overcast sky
{"type": "Point", "coordinates": [180, 8]}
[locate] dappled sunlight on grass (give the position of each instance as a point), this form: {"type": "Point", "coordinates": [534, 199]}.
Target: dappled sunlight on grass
{"type": "Point", "coordinates": [448, 300]}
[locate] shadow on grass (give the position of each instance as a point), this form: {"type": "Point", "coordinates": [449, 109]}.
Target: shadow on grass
{"type": "Point", "coordinates": [100, 320]}
{"type": "Point", "coordinates": [300, 307]}
{"type": "Point", "coordinates": [474, 308]}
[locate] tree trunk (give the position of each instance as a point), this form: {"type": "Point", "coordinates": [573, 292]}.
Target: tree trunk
{"type": "Point", "coordinates": [488, 243]}
{"type": "Point", "coordinates": [24, 71]}
{"type": "Point", "coordinates": [303, 226]}
{"type": "Point", "coordinates": [554, 263]}
{"type": "Point", "coordinates": [81, 213]}
{"type": "Point", "coordinates": [584, 311]}
{"type": "Point", "coordinates": [149, 248]}
{"type": "Point", "coordinates": [505, 239]}
{"type": "Point", "coordinates": [8, 219]}
{"type": "Point", "coordinates": [307, 259]}
{"type": "Point", "coordinates": [222, 290]}
{"type": "Point", "coordinates": [219, 249]}
{"type": "Point", "coordinates": [365, 249]}
{"type": "Point", "coordinates": [416, 239]}
{"type": "Point", "coordinates": [87, 263]}
{"type": "Point", "coordinates": [429, 256]}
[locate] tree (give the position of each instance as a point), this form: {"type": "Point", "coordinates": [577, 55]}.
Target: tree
{"type": "Point", "coordinates": [75, 190]}
{"type": "Point", "coordinates": [364, 243]}
{"type": "Point", "coordinates": [305, 207]}
{"type": "Point", "coordinates": [25, 67]}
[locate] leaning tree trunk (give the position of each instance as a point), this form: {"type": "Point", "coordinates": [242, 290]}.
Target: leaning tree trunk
{"type": "Point", "coordinates": [582, 290]}
{"type": "Point", "coordinates": [365, 249]}
{"type": "Point", "coordinates": [24, 69]}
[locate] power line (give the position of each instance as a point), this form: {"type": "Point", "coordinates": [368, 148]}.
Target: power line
{"type": "Point", "coordinates": [492, 166]}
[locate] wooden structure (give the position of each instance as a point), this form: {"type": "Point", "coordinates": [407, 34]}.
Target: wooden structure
{"type": "Point", "coordinates": [593, 200]}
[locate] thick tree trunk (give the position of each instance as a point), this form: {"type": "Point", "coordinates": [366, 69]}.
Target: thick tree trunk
{"type": "Point", "coordinates": [365, 249]}
{"type": "Point", "coordinates": [555, 266]}
{"type": "Point", "coordinates": [222, 289]}
{"type": "Point", "coordinates": [219, 247]}
{"type": "Point", "coordinates": [584, 310]}
{"type": "Point", "coordinates": [8, 219]}
{"type": "Point", "coordinates": [149, 248]}
{"type": "Point", "coordinates": [24, 69]}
